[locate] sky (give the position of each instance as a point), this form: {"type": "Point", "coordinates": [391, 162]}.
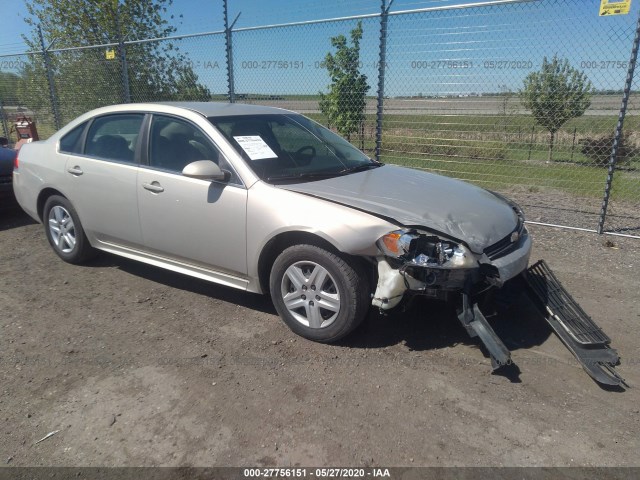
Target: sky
{"type": "Point", "coordinates": [206, 15]}
{"type": "Point", "coordinates": [446, 52]}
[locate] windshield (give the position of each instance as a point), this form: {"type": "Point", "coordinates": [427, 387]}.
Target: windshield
{"type": "Point", "coordinates": [282, 147]}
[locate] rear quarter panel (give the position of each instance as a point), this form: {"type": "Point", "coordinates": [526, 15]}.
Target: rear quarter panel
{"type": "Point", "coordinates": [39, 167]}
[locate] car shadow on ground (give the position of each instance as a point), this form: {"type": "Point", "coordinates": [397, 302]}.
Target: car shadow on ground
{"type": "Point", "coordinates": [428, 324]}
{"type": "Point", "coordinates": [187, 283]}
{"type": "Point", "coordinates": [431, 325]}
{"type": "Point", "coordinates": [13, 217]}
{"type": "Point", "coordinates": [422, 325]}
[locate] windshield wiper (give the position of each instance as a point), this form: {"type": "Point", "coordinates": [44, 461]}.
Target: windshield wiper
{"type": "Point", "coordinates": [318, 175]}
{"type": "Point", "coordinates": [360, 168]}
{"type": "Point", "coordinates": [303, 176]}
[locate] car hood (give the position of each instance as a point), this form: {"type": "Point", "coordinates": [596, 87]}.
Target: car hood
{"type": "Point", "coordinates": [416, 198]}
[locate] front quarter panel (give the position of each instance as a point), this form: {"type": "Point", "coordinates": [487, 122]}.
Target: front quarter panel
{"type": "Point", "coordinates": [272, 211]}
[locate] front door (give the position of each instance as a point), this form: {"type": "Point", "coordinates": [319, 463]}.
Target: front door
{"type": "Point", "coordinates": [200, 223]}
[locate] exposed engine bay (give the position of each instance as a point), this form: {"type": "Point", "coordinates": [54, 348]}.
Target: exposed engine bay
{"type": "Point", "coordinates": [425, 264]}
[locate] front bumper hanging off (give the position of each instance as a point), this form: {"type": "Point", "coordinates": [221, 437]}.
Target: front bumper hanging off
{"type": "Point", "coordinates": [586, 341]}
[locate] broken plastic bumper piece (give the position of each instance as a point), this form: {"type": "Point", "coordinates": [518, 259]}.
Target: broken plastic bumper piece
{"type": "Point", "coordinates": [477, 326]}
{"type": "Point", "coordinates": [580, 334]}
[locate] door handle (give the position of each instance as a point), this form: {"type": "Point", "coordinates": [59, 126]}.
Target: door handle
{"type": "Point", "coordinates": [154, 187]}
{"type": "Point", "coordinates": [76, 171]}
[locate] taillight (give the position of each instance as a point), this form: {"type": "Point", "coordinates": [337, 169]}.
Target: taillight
{"type": "Point", "coordinates": [15, 162]}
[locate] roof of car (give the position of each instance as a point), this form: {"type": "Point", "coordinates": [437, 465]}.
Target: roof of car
{"type": "Point", "coordinates": [219, 109]}
{"type": "Point", "coordinates": [206, 109]}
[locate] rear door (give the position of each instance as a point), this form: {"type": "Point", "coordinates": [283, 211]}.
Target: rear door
{"type": "Point", "coordinates": [198, 222]}
{"type": "Point", "coordinates": [102, 178]}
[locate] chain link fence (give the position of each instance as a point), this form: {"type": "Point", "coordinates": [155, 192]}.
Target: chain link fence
{"type": "Point", "coordinates": [472, 122]}
{"type": "Point", "coordinates": [519, 96]}
{"type": "Point", "coordinates": [21, 76]}
{"type": "Point", "coordinates": [297, 79]}
{"type": "Point", "coordinates": [620, 212]}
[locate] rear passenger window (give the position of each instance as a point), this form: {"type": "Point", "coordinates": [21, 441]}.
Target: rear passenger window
{"type": "Point", "coordinates": [70, 143]}
{"type": "Point", "coordinates": [114, 137]}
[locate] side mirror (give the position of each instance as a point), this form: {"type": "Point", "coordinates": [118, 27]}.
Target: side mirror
{"type": "Point", "coordinates": [205, 170]}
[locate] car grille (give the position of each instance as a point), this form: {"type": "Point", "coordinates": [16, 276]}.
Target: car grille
{"type": "Point", "coordinates": [505, 246]}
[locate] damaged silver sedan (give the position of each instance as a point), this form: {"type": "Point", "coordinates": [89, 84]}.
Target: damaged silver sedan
{"type": "Point", "coordinates": [269, 201]}
{"type": "Point", "coordinates": [266, 200]}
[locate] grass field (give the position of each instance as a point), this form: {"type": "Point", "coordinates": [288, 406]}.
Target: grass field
{"type": "Point", "coordinates": [500, 151]}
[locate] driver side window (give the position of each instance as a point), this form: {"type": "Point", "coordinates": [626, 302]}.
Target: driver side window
{"type": "Point", "coordinates": [175, 143]}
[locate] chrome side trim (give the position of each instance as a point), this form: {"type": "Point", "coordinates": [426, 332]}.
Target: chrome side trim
{"type": "Point", "coordinates": [175, 266]}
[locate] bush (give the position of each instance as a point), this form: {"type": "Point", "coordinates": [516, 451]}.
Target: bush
{"type": "Point", "coordinates": [598, 150]}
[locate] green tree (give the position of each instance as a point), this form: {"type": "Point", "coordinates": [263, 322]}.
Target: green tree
{"type": "Point", "coordinates": [345, 103]}
{"type": "Point", "coordinates": [187, 87]}
{"type": "Point", "coordinates": [9, 82]}
{"type": "Point", "coordinates": [86, 79]}
{"type": "Point", "coordinates": [555, 94]}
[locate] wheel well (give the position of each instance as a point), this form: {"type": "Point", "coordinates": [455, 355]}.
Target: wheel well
{"type": "Point", "coordinates": [281, 242]}
{"type": "Point", "coordinates": [42, 199]}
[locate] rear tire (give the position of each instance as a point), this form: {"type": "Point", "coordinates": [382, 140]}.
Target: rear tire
{"type": "Point", "coordinates": [64, 231]}
{"type": "Point", "coordinates": [318, 294]}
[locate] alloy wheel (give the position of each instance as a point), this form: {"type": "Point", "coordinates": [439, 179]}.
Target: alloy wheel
{"type": "Point", "coordinates": [310, 294]}
{"type": "Point", "coordinates": [62, 229]}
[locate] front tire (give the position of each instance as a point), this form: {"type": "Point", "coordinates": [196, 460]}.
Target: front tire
{"type": "Point", "coordinates": [64, 231]}
{"type": "Point", "coordinates": [318, 295]}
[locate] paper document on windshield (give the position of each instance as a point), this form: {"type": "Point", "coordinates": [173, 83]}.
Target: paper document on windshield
{"type": "Point", "coordinates": [255, 147]}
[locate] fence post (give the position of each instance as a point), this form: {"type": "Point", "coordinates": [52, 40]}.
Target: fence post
{"type": "Point", "coordinates": [573, 143]}
{"type": "Point", "coordinates": [618, 132]}
{"type": "Point", "coordinates": [382, 66]}
{"type": "Point", "coordinates": [52, 88]}
{"type": "Point", "coordinates": [533, 131]}
{"type": "Point", "coordinates": [229, 48]}
{"type": "Point", "coordinates": [3, 116]}
{"type": "Point", "coordinates": [124, 68]}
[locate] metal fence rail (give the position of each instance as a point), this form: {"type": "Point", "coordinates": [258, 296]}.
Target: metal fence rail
{"type": "Point", "coordinates": [446, 93]}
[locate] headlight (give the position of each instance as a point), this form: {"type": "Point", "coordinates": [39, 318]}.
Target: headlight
{"type": "Point", "coordinates": [396, 244]}
{"type": "Point", "coordinates": [424, 250]}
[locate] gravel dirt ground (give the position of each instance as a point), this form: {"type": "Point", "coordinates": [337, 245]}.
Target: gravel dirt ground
{"type": "Point", "coordinates": [135, 366]}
